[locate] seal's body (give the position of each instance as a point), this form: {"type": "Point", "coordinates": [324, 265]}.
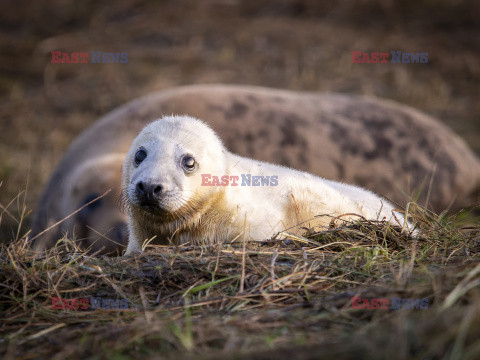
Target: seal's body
{"type": "Point", "coordinates": [380, 145]}
{"type": "Point", "coordinates": [167, 195]}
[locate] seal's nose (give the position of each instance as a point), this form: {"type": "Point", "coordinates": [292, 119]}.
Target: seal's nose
{"type": "Point", "coordinates": [148, 192]}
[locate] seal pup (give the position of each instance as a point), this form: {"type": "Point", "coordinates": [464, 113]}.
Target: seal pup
{"type": "Point", "coordinates": [165, 181]}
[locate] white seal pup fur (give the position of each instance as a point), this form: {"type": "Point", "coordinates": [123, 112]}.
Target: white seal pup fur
{"type": "Point", "coordinates": [164, 178]}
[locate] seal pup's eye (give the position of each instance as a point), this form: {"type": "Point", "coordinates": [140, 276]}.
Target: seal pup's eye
{"type": "Point", "coordinates": [140, 155]}
{"type": "Point", "coordinates": [188, 162]}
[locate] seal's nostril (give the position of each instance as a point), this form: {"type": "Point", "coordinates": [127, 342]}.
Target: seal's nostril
{"type": "Point", "coordinates": [157, 190]}
{"type": "Point", "coordinates": [140, 189]}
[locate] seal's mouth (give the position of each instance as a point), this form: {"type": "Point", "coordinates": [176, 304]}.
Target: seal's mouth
{"type": "Point", "coordinates": [151, 207]}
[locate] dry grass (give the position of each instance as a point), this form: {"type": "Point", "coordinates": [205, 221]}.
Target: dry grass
{"type": "Point", "coordinates": [289, 44]}
{"type": "Point", "coordinates": [281, 299]}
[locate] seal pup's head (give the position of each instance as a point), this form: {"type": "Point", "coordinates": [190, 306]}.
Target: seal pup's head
{"type": "Point", "coordinates": [162, 170]}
